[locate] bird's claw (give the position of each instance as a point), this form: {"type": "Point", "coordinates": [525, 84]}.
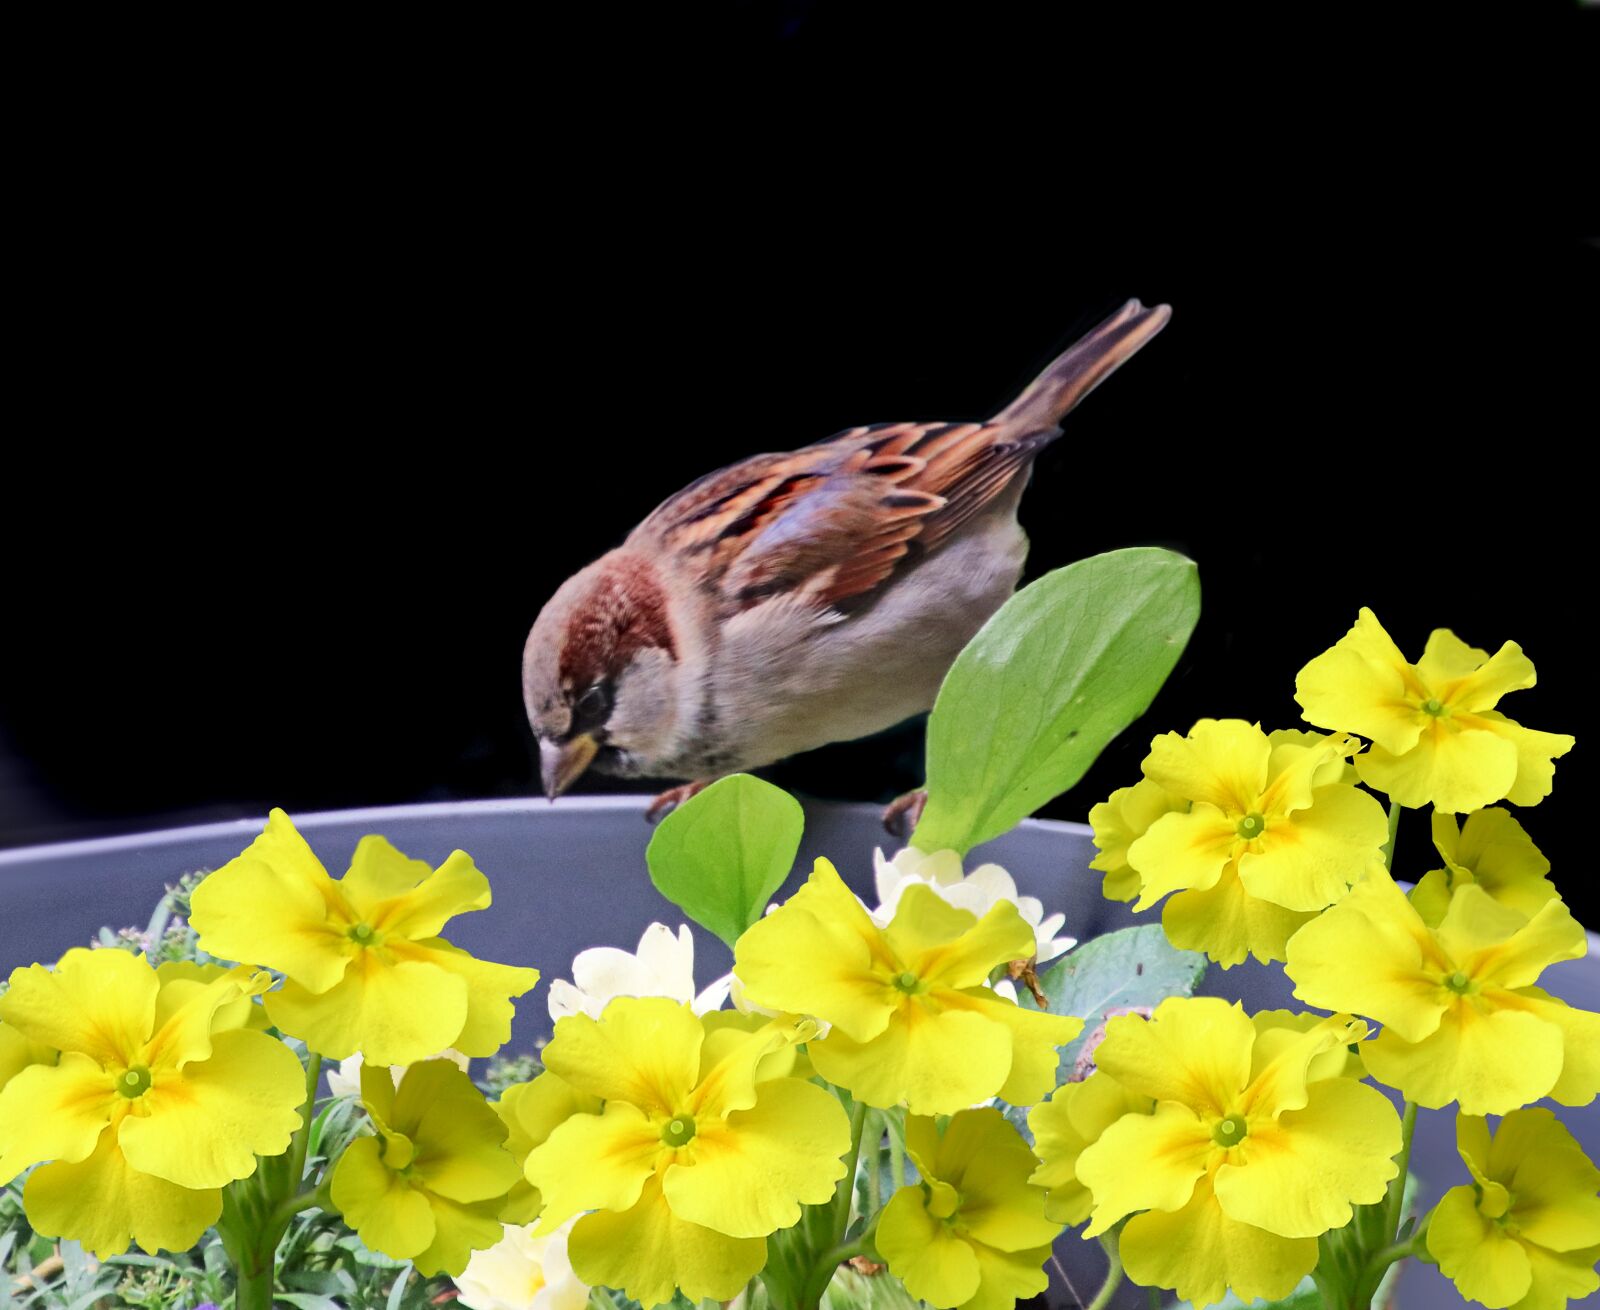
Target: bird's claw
{"type": "Point", "coordinates": [669, 800]}
{"type": "Point", "coordinates": [902, 815]}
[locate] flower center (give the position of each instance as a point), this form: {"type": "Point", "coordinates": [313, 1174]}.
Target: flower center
{"type": "Point", "coordinates": [1230, 1131]}
{"type": "Point", "coordinates": [1251, 826]}
{"type": "Point", "coordinates": [135, 1082]}
{"type": "Point", "coordinates": [361, 934]}
{"type": "Point", "coordinates": [679, 1131]}
{"type": "Point", "coordinates": [906, 982]}
{"type": "Point", "coordinates": [1459, 983]}
{"type": "Point", "coordinates": [1433, 706]}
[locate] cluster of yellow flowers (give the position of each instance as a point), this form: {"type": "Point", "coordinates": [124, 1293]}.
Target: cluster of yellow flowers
{"type": "Point", "coordinates": [1236, 1143]}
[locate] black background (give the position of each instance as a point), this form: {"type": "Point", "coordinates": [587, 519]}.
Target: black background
{"type": "Point", "coordinates": [342, 349]}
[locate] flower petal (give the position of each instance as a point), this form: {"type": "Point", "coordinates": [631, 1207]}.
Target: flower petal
{"type": "Point", "coordinates": [458, 1137]}
{"type": "Point", "coordinates": [54, 1112]}
{"type": "Point", "coordinates": [937, 1060]}
{"type": "Point", "coordinates": [388, 1214]}
{"type": "Point", "coordinates": [490, 987]}
{"type": "Point", "coordinates": [1006, 1277]}
{"type": "Point", "coordinates": [1480, 688]}
{"type": "Point", "coordinates": [817, 954]}
{"type": "Point", "coordinates": [459, 1229]}
{"type": "Point", "coordinates": [1192, 1050]}
{"type": "Point", "coordinates": [1145, 1162]}
{"type": "Point", "coordinates": [1453, 766]}
{"type": "Point", "coordinates": [951, 947]}
{"type": "Point", "coordinates": [748, 1175]}
{"type": "Point", "coordinates": [455, 887]}
{"type": "Point", "coordinates": [1071, 1120]}
{"type": "Point", "coordinates": [644, 1050]}
{"type": "Point", "coordinates": [104, 1204]}
{"type": "Point", "coordinates": [1362, 684]}
{"type": "Point", "coordinates": [1552, 1182]}
{"type": "Point", "coordinates": [1537, 753]}
{"type": "Point", "coordinates": [270, 905]}
{"type": "Point", "coordinates": [1494, 943]}
{"type": "Point", "coordinates": [1300, 1176]}
{"type": "Point", "coordinates": [1036, 1039]}
{"type": "Point", "coordinates": [1307, 860]}
{"type": "Point", "coordinates": [1491, 1060]}
{"type": "Point", "coordinates": [1221, 763]}
{"type": "Point", "coordinates": [647, 1252]}
{"type": "Point", "coordinates": [1228, 924]}
{"type": "Point", "coordinates": [1559, 1277]}
{"type": "Point", "coordinates": [531, 1112]}
{"type": "Point", "coordinates": [923, 1253]}
{"type": "Point", "coordinates": [392, 1011]}
{"type": "Point", "coordinates": [1580, 1041]}
{"type": "Point", "coordinates": [205, 1126]}
{"type": "Point", "coordinates": [1182, 851]}
{"type": "Point", "coordinates": [1200, 1252]}
{"type": "Point", "coordinates": [100, 1003]}
{"type": "Point", "coordinates": [1120, 821]}
{"type": "Point", "coordinates": [1370, 954]}
{"type": "Point", "coordinates": [379, 873]}
{"type": "Point", "coordinates": [1475, 1254]}
{"type": "Point", "coordinates": [988, 1163]}
{"type": "Point", "coordinates": [594, 1162]}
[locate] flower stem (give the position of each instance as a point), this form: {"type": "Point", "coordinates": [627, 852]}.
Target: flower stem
{"type": "Point", "coordinates": [1108, 1289]}
{"type": "Point", "coordinates": [1394, 829]}
{"type": "Point", "coordinates": [302, 1136]}
{"type": "Point", "coordinates": [897, 1154]}
{"type": "Point", "coordinates": [1397, 1189]}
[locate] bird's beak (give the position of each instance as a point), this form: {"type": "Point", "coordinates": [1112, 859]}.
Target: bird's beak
{"type": "Point", "coordinates": [562, 763]}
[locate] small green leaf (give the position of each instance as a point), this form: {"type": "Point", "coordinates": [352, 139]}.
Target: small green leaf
{"type": "Point", "coordinates": [1123, 969]}
{"type": "Point", "coordinates": [1063, 667]}
{"type": "Point", "coordinates": [721, 855]}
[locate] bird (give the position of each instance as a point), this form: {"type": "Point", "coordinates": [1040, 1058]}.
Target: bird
{"type": "Point", "coordinates": [797, 599]}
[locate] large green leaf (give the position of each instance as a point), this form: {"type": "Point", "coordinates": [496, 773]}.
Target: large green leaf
{"type": "Point", "coordinates": [1063, 667]}
{"type": "Point", "coordinates": [720, 855]}
{"type": "Point", "coordinates": [1123, 969]}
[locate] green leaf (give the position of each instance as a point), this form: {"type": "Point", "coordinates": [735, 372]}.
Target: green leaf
{"type": "Point", "coordinates": [1063, 667]}
{"type": "Point", "coordinates": [1129, 967]}
{"type": "Point", "coordinates": [721, 855]}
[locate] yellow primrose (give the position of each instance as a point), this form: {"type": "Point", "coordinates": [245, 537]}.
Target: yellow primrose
{"type": "Point", "coordinates": [429, 1186]}
{"type": "Point", "coordinates": [531, 1112]}
{"type": "Point", "coordinates": [1070, 1121]}
{"type": "Point", "coordinates": [1247, 1157]}
{"type": "Point", "coordinates": [911, 1019]}
{"type": "Point", "coordinates": [693, 1162]}
{"type": "Point", "coordinates": [973, 1232]}
{"type": "Point", "coordinates": [1120, 821]}
{"type": "Point", "coordinates": [1492, 850]}
{"type": "Point", "coordinates": [160, 1098]}
{"type": "Point", "coordinates": [1436, 736]}
{"type": "Point", "coordinates": [1526, 1233]}
{"type": "Point", "coordinates": [1462, 1019]}
{"type": "Point", "coordinates": [366, 969]}
{"type": "Point", "coordinates": [18, 1052]}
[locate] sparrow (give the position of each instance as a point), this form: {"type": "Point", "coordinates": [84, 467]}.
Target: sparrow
{"type": "Point", "coordinates": [793, 600]}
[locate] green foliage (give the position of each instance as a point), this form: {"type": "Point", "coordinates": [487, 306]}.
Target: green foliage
{"type": "Point", "coordinates": [721, 855]}
{"type": "Point", "coordinates": [1063, 667]}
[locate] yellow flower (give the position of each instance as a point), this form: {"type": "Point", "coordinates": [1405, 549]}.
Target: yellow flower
{"type": "Point", "coordinates": [1492, 850]}
{"type": "Point", "coordinates": [973, 1232]}
{"type": "Point", "coordinates": [160, 1098]}
{"type": "Point", "coordinates": [1064, 1126]}
{"type": "Point", "coordinates": [531, 1112]}
{"type": "Point", "coordinates": [18, 1052]}
{"type": "Point", "coordinates": [366, 969]}
{"type": "Point", "coordinates": [911, 1018]}
{"type": "Point", "coordinates": [1462, 1020]}
{"type": "Point", "coordinates": [1272, 834]}
{"type": "Point", "coordinates": [1436, 736]}
{"type": "Point", "coordinates": [1526, 1233]}
{"type": "Point", "coordinates": [1247, 1157]}
{"type": "Point", "coordinates": [429, 1186]}
{"type": "Point", "coordinates": [693, 1162]}
{"type": "Point", "coordinates": [1119, 822]}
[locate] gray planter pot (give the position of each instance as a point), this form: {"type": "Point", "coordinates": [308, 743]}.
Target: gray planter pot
{"type": "Point", "coordinates": [572, 875]}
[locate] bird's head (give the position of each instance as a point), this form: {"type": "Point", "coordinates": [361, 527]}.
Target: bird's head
{"type": "Point", "coordinates": [601, 675]}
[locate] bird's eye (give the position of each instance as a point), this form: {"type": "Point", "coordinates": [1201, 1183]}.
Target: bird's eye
{"type": "Point", "coordinates": [592, 708]}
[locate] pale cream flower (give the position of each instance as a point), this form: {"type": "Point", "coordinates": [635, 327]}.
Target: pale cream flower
{"type": "Point", "coordinates": [346, 1079]}
{"type": "Point", "coordinates": [522, 1272]}
{"type": "Point", "coordinates": [662, 966]}
{"type": "Point", "coordinates": [978, 891]}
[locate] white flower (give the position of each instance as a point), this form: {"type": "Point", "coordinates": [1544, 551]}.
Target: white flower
{"type": "Point", "coordinates": [662, 966]}
{"type": "Point", "coordinates": [979, 891]}
{"type": "Point", "coordinates": [346, 1079]}
{"type": "Point", "coordinates": [522, 1272]}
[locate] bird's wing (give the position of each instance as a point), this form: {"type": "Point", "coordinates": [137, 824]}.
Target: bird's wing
{"type": "Point", "coordinates": [834, 520]}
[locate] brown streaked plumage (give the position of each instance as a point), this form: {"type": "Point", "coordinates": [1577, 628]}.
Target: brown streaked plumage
{"type": "Point", "coordinates": [795, 599]}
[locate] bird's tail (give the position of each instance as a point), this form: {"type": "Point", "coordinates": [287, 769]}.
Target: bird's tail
{"type": "Point", "coordinates": [1083, 367]}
